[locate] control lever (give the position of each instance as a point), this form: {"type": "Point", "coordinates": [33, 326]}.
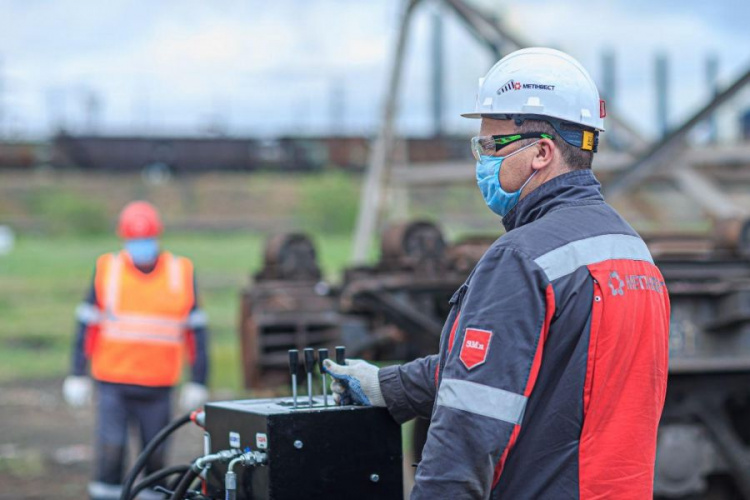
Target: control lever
{"type": "Point", "coordinates": [341, 360]}
{"type": "Point", "coordinates": [293, 366]}
{"type": "Point", "coordinates": [309, 366]}
{"type": "Point", "coordinates": [340, 355]}
{"type": "Point", "coordinates": [322, 356]}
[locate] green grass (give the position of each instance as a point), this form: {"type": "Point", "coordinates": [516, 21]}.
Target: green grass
{"type": "Point", "coordinates": [43, 280]}
{"type": "Point", "coordinates": [67, 219]}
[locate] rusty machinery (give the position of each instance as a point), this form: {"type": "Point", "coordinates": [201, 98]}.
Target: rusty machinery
{"type": "Point", "coordinates": [394, 310]}
{"type": "Point", "coordinates": [704, 435]}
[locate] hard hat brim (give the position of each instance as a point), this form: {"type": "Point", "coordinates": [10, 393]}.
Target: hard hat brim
{"type": "Point", "coordinates": [531, 116]}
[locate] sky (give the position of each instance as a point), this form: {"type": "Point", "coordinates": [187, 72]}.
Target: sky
{"type": "Point", "coordinates": [188, 67]}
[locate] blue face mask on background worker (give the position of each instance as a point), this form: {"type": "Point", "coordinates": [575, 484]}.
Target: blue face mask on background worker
{"type": "Point", "coordinates": [143, 252]}
{"type": "Point", "coordinates": [488, 179]}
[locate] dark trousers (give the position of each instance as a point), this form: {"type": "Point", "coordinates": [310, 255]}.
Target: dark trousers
{"type": "Point", "coordinates": [122, 405]}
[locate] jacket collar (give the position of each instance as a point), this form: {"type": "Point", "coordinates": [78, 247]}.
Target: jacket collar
{"type": "Point", "coordinates": [566, 189]}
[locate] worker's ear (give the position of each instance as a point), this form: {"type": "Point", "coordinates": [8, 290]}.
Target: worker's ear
{"type": "Point", "coordinates": [544, 154]}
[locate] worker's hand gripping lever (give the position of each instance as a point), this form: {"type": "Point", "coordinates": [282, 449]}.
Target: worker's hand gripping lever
{"type": "Point", "coordinates": [293, 366]}
{"type": "Point", "coordinates": [342, 398]}
{"type": "Point", "coordinates": [355, 382]}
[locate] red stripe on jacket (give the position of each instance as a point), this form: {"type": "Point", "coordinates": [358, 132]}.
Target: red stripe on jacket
{"type": "Point", "coordinates": [450, 345]}
{"type": "Point", "coordinates": [626, 379]}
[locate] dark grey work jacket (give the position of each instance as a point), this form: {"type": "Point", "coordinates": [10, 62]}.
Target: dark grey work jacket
{"type": "Point", "coordinates": [552, 368]}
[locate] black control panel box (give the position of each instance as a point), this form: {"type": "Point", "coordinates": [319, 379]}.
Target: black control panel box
{"type": "Point", "coordinates": [331, 452]}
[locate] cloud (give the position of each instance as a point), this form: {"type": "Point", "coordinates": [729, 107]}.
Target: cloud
{"type": "Point", "coordinates": [281, 64]}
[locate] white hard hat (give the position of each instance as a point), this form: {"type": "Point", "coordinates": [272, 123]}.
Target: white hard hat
{"type": "Point", "coordinates": [542, 82]}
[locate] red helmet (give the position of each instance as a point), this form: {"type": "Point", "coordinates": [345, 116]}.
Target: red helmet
{"type": "Point", "coordinates": [139, 219]}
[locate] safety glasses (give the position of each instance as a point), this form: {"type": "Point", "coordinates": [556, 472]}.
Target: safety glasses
{"type": "Point", "coordinates": [488, 145]}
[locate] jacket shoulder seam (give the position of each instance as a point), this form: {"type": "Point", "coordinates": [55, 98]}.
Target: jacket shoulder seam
{"type": "Point", "coordinates": [502, 246]}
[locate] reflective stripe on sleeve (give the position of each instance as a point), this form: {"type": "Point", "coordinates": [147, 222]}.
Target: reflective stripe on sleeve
{"type": "Point", "coordinates": [482, 400]}
{"type": "Point", "coordinates": [197, 319]}
{"type": "Point", "coordinates": [567, 258]}
{"type": "Point", "coordinates": [88, 314]}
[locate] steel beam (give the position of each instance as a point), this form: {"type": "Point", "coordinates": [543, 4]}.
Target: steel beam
{"type": "Point", "coordinates": [458, 171]}
{"type": "Point", "coordinates": [489, 32]}
{"type": "Point", "coordinates": [659, 155]}
{"type": "Point", "coordinates": [707, 194]}
{"type": "Point", "coordinates": [485, 30]}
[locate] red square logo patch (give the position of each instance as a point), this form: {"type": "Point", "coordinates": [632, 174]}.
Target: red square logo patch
{"type": "Point", "coordinates": [475, 347]}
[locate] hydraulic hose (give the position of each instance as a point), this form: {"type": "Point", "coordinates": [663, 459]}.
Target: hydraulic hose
{"type": "Point", "coordinates": [230, 494]}
{"type": "Point", "coordinates": [184, 484]}
{"type": "Point", "coordinates": [174, 482]}
{"type": "Point", "coordinates": [156, 476]}
{"type": "Point", "coordinates": [140, 463]}
{"type": "Point", "coordinates": [251, 458]}
{"type": "Point", "coordinates": [198, 466]}
{"type": "Point", "coordinates": [230, 480]}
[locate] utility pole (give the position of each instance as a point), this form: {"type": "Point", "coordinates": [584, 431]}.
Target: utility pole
{"type": "Point", "coordinates": [92, 108]}
{"type": "Point", "coordinates": [662, 94]}
{"type": "Point", "coordinates": [712, 78]}
{"type": "Point", "coordinates": [380, 157]}
{"type": "Point", "coordinates": [2, 102]}
{"type": "Point", "coordinates": [609, 93]}
{"type": "Point", "coordinates": [437, 70]}
{"type": "Point", "coordinates": [609, 77]}
{"type": "Point", "coordinates": [337, 106]}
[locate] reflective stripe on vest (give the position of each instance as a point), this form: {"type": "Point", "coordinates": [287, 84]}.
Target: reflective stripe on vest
{"type": "Point", "coordinates": [140, 327]}
{"type": "Point", "coordinates": [123, 327]}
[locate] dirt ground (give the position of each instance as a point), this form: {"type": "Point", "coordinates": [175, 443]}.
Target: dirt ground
{"type": "Point", "coordinates": [46, 447]}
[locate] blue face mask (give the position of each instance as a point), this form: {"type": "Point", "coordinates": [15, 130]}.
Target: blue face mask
{"type": "Point", "coordinates": [143, 252]}
{"type": "Point", "coordinates": [488, 179]}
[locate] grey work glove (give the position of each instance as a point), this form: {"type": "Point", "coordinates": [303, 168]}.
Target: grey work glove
{"type": "Point", "coordinates": [77, 391]}
{"type": "Point", "coordinates": [358, 380]}
{"type": "Point", "coordinates": [192, 396]}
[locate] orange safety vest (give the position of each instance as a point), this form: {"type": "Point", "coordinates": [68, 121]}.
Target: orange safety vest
{"type": "Point", "coordinates": [141, 337]}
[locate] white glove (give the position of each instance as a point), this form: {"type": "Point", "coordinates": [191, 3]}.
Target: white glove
{"type": "Point", "coordinates": [357, 380]}
{"type": "Point", "coordinates": [77, 391]}
{"type": "Point", "coordinates": [192, 396]}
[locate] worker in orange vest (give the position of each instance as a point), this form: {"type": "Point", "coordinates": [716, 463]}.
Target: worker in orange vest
{"type": "Point", "coordinates": [138, 323]}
